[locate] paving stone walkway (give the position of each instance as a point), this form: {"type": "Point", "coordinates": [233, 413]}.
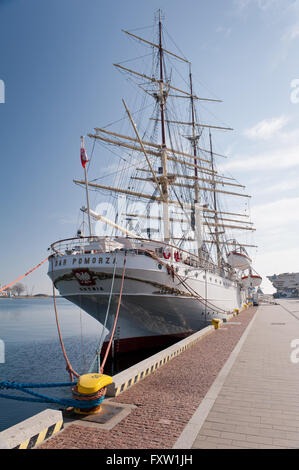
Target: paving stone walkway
{"type": "Point", "coordinates": [258, 403]}
{"type": "Point", "coordinates": [164, 401]}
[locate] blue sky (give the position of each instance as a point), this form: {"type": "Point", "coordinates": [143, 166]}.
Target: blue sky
{"type": "Point", "coordinates": [56, 62]}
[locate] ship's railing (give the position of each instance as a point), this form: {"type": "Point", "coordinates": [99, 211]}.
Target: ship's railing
{"type": "Point", "coordinates": [90, 245]}
{"type": "Point", "coordinates": [71, 246]}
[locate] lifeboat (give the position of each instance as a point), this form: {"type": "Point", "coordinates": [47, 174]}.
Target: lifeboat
{"type": "Point", "coordinates": [238, 260]}
{"type": "Point", "coordinates": [253, 280]}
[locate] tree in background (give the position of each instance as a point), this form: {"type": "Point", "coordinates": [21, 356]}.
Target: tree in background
{"type": "Point", "coordinates": [18, 288]}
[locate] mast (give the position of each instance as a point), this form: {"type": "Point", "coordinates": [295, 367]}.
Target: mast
{"type": "Point", "coordinates": [164, 179]}
{"type": "Point", "coordinates": [215, 206]}
{"type": "Point", "coordinates": [143, 149]}
{"type": "Point", "coordinates": [197, 168]}
{"type": "Point", "coordinates": [86, 188]}
{"type": "Point", "coordinates": [194, 139]}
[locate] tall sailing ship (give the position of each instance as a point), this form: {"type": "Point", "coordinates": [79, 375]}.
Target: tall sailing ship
{"type": "Point", "coordinates": [164, 236]}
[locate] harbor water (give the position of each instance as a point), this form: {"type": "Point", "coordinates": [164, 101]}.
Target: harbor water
{"type": "Point", "coordinates": [33, 352]}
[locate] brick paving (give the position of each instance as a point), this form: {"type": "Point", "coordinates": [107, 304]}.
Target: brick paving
{"type": "Point", "coordinates": [165, 400]}
{"type": "Point", "coordinates": [258, 404]}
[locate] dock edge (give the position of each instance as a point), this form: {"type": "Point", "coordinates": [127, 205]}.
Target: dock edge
{"type": "Point", "coordinates": [32, 431]}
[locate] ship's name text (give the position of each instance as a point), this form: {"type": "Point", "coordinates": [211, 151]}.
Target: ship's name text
{"type": "Point", "coordinates": [86, 260]}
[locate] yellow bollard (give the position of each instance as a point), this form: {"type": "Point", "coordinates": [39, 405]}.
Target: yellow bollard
{"type": "Point", "coordinates": [245, 306]}
{"type": "Point", "coordinates": [237, 311]}
{"type": "Point", "coordinates": [216, 323]}
{"type": "Point", "coordinates": [91, 387]}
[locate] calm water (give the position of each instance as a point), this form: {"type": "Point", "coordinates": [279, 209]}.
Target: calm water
{"type": "Point", "coordinates": [33, 352]}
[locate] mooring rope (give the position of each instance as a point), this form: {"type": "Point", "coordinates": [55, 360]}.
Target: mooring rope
{"type": "Point", "coordinates": [24, 275]}
{"type": "Point", "coordinates": [80, 402]}
{"type": "Point", "coordinates": [68, 364]}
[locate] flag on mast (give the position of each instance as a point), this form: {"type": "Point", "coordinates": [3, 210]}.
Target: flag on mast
{"type": "Point", "coordinates": [84, 158]}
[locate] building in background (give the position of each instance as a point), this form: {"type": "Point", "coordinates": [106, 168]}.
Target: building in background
{"type": "Point", "coordinates": [286, 284]}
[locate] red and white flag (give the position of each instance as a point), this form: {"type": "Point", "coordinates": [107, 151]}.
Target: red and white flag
{"type": "Point", "coordinates": [84, 158]}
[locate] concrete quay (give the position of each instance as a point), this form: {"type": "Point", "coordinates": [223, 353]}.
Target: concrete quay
{"type": "Point", "coordinates": [156, 410]}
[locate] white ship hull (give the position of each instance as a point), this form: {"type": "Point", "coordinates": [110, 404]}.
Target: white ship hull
{"type": "Point", "coordinates": [154, 302]}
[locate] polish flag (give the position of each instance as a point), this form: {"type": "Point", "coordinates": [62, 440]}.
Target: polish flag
{"type": "Point", "coordinates": [84, 158]}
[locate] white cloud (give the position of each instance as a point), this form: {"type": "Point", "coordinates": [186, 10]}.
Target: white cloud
{"type": "Point", "coordinates": [288, 37]}
{"type": "Point", "coordinates": [282, 186]}
{"type": "Point", "coordinates": [283, 14]}
{"type": "Point", "coordinates": [266, 4]}
{"type": "Point", "coordinates": [280, 149]}
{"type": "Point", "coordinates": [267, 128]}
{"type": "Point", "coordinates": [279, 158]}
{"type": "Point", "coordinates": [292, 30]}
{"type": "Point", "coordinates": [279, 213]}
{"type": "Point", "coordinates": [263, 5]}
{"type": "Point", "coordinates": [291, 33]}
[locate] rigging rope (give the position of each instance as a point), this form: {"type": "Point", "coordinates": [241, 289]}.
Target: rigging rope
{"type": "Point", "coordinates": [190, 289]}
{"type": "Point", "coordinates": [116, 316]}
{"type": "Point", "coordinates": [68, 364]}
{"type": "Point", "coordinates": [98, 351]}
{"type": "Point", "coordinates": [82, 340]}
